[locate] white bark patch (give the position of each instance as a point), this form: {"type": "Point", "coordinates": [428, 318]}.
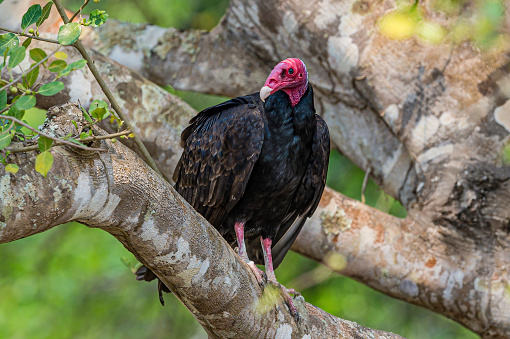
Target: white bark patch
{"type": "Point", "coordinates": [367, 238]}
{"type": "Point", "coordinates": [149, 38]}
{"type": "Point", "coordinates": [187, 275]}
{"type": "Point", "coordinates": [284, 331]}
{"type": "Point", "coordinates": [343, 54]}
{"type": "Point", "coordinates": [109, 208]}
{"type": "Point", "coordinates": [447, 118]}
{"type": "Point", "coordinates": [182, 253]}
{"type": "Point", "coordinates": [424, 130]}
{"type": "Point", "coordinates": [85, 204]}
{"type": "Point", "coordinates": [502, 115]}
{"type": "Point", "coordinates": [9, 198]}
{"type": "Point", "coordinates": [350, 24]}
{"type": "Point", "coordinates": [481, 284]}
{"type": "Point", "coordinates": [131, 59]}
{"type": "Point", "coordinates": [246, 14]}
{"type": "Point", "coordinates": [328, 11]}
{"type": "Point", "coordinates": [455, 280]}
{"type": "Point", "coordinates": [306, 336]}
{"type": "Point", "coordinates": [151, 233]}
{"type": "Point", "coordinates": [30, 189]}
{"type": "Point", "coordinates": [435, 153]}
{"type": "Point", "coordinates": [391, 114]}
{"type": "Point", "coordinates": [57, 195]}
{"type": "Point", "coordinates": [326, 15]}
{"type": "Point", "coordinates": [80, 88]}
{"type": "Point", "coordinates": [289, 23]}
{"type": "Point", "coordinates": [202, 269]}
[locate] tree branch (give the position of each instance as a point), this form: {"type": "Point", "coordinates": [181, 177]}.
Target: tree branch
{"type": "Point", "coordinates": [119, 193]}
{"type": "Point", "coordinates": [408, 259]}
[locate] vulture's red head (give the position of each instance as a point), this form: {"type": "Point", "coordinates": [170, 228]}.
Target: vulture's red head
{"type": "Point", "coordinates": [290, 76]}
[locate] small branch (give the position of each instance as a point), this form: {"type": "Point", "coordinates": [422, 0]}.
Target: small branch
{"type": "Point", "coordinates": [79, 10]}
{"type": "Point", "coordinates": [107, 92]}
{"type": "Point", "coordinates": [30, 36]}
{"type": "Point", "coordinates": [109, 136]}
{"type": "Point", "coordinates": [57, 142]}
{"type": "Point", "coordinates": [30, 69]}
{"type": "Point", "coordinates": [365, 182]}
{"type": "Point", "coordinates": [61, 141]}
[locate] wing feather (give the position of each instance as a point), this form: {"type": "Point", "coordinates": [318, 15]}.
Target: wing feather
{"type": "Point", "coordinates": [214, 169]}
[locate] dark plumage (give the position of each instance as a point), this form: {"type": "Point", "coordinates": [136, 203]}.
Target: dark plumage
{"type": "Point", "coordinates": [258, 168]}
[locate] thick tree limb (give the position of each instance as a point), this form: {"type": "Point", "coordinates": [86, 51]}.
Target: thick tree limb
{"type": "Point", "coordinates": [117, 192]}
{"type": "Point", "coordinates": [413, 260]}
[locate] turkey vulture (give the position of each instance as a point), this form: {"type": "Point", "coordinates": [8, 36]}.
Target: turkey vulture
{"type": "Point", "coordinates": [255, 167]}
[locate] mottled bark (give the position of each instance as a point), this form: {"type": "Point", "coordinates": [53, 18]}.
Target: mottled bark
{"type": "Point", "coordinates": [117, 192]}
{"type": "Point", "coordinates": [429, 121]}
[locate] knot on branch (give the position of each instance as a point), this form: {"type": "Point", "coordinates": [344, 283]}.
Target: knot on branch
{"type": "Point", "coordinates": [472, 194]}
{"type": "Point", "coordinates": [59, 120]}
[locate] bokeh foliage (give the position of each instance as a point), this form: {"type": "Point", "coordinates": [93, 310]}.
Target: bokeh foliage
{"type": "Point", "coordinates": [73, 282]}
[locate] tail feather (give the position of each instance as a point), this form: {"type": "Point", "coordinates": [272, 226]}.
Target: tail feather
{"type": "Point", "coordinates": [145, 274]}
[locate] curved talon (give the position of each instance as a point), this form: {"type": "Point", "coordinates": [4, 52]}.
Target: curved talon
{"type": "Point", "coordinates": [286, 292]}
{"type": "Point", "coordinates": [293, 292]}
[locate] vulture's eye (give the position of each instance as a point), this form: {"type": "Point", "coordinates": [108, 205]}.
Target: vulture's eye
{"type": "Point", "coordinates": [291, 71]}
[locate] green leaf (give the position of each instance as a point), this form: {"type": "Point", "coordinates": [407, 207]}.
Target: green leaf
{"type": "Point", "coordinates": [26, 102]}
{"type": "Point", "coordinates": [51, 88]}
{"type": "Point", "coordinates": [17, 56]}
{"type": "Point", "coordinates": [98, 113]}
{"type": "Point", "coordinates": [57, 65]}
{"type": "Point", "coordinates": [83, 135]}
{"type": "Point", "coordinates": [69, 33]}
{"type": "Point", "coordinates": [61, 55]}
{"type": "Point", "coordinates": [45, 13]}
{"type": "Point", "coordinates": [27, 42]}
{"type": "Point", "coordinates": [37, 54]}
{"type": "Point", "coordinates": [8, 40]}
{"type": "Point", "coordinates": [97, 18]}
{"type": "Point", "coordinates": [15, 112]}
{"type": "Point", "coordinates": [4, 62]}
{"type": "Point", "coordinates": [44, 143]}
{"type": "Point", "coordinates": [72, 66]}
{"type": "Point", "coordinates": [13, 168]}
{"type": "Point", "coordinates": [31, 76]}
{"type": "Point", "coordinates": [87, 116]}
{"type": "Point", "coordinates": [31, 16]}
{"type": "Point", "coordinates": [1, 1]}
{"type": "Point", "coordinates": [99, 109]}
{"type": "Point", "coordinates": [3, 99]}
{"type": "Point", "coordinates": [5, 140]}
{"type": "Point", "coordinates": [43, 163]}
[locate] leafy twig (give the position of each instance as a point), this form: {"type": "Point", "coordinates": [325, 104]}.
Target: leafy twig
{"type": "Point", "coordinates": [107, 92]}
{"type": "Point", "coordinates": [109, 136]}
{"type": "Point", "coordinates": [61, 141]}
{"type": "Point", "coordinates": [57, 142]}
{"type": "Point", "coordinates": [79, 10]}
{"type": "Point", "coordinates": [30, 36]}
{"type": "Point", "coordinates": [30, 69]}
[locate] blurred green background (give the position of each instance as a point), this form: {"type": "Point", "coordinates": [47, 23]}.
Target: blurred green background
{"type": "Point", "coordinates": [73, 282]}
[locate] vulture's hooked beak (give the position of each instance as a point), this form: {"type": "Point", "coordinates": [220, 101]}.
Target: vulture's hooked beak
{"type": "Point", "coordinates": [265, 92]}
